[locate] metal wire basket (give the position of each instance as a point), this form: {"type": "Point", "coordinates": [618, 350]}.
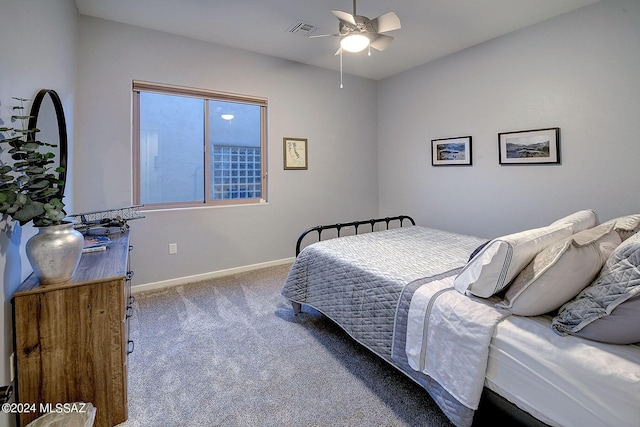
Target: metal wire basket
{"type": "Point", "coordinates": [106, 222]}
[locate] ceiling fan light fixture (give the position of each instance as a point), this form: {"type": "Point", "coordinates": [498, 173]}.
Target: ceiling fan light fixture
{"type": "Point", "coordinates": [354, 43]}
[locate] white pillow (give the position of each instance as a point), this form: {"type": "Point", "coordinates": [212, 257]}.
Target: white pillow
{"type": "Point", "coordinates": [560, 272]}
{"type": "Point", "coordinates": [493, 267]}
{"type": "Point", "coordinates": [626, 226]}
{"type": "Point", "coordinates": [581, 220]}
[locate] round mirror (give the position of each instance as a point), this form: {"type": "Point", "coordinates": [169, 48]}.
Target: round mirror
{"type": "Point", "coordinates": [47, 115]}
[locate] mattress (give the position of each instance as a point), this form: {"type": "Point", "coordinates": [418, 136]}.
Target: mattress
{"type": "Point", "coordinates": [578, 383]}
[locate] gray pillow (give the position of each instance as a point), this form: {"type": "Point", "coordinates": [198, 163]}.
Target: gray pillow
{"type": "Point", "coordinates": [622, 326]}
{"type": "Point", "coordinates": [608, 310]}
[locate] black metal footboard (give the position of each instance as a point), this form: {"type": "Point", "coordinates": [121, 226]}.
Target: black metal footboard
{"type": "Point", "coordinates": [339, 226]}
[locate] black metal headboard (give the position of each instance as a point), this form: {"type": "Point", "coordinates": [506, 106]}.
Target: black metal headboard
{"type": "Point", "coordinates": [372, 222]}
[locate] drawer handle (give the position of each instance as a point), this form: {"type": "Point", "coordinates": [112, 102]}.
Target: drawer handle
{"type": "Point", "coordinates": [130, 347]}
{"type": "Point", "coordinates": [129, 312]}
{"type": "Point", "coordinates": [132, 299]}
{"type": "Point", "coordinates": [130, 274]}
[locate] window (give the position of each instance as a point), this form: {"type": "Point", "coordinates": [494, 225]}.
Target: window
{"type": "Point", "coordinates": [196, 147]}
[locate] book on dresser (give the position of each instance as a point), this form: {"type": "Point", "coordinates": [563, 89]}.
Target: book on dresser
{"type": "Point", "coordinates": [95, 243]}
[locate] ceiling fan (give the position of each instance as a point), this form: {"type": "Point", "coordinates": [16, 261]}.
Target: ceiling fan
{"type": "Point", "coordinates": [359, 32]}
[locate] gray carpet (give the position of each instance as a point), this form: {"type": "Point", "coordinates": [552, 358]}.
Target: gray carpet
{"type": "Point", "coordinates": [229, 352]}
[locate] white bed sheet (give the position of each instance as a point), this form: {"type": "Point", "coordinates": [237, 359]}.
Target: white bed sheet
{"type": "Point", "coordinates": [564, 381]}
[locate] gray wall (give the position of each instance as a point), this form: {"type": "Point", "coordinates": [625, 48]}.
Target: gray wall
{"type": "Point", "coordinates": [38, 41]}
{"type": "Point", "coordinates": [368, 143]}
{"type": "Point", "coordinates": [578, 71]}
{"type": "Point", "coordinates": [304, 102]}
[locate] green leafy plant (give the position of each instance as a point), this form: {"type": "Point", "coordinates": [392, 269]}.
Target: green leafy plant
{"type": "Point", "coordinates": [30, 187]}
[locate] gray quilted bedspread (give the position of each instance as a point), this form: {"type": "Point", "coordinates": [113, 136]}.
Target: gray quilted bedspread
{"type": "Point", "coordinates": [357, 280]}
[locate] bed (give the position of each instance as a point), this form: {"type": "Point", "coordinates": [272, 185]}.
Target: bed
{"type": "Point", "coordinates": [468, 318]}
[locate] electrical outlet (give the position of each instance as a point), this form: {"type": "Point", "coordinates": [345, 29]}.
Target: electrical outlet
{"type": "Point", "coordinates": [173, 248]}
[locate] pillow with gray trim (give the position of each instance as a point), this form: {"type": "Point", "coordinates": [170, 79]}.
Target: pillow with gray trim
{"type": "Point", "coordinates": [495, 264]}
{"type": "Point", "coordinates": [560, 272]}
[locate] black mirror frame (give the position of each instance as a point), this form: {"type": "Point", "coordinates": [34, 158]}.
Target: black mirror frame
{"type": "Point", "coordinates": [62, 130]}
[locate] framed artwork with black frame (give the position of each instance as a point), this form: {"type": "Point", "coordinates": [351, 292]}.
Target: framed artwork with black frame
{"type": "Point", "coordinates": [451, 151]}
{"type": "Point", "coordinates": [295, 153]}
{"type": "Point", "coordinates": [527, 147]}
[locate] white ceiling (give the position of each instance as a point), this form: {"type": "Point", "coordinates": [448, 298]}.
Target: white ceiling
{"type": "Point", "coordinates": [430, 28]}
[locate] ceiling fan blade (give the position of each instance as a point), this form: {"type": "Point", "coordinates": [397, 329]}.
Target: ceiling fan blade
{"type": "Point", "coordinates": [344, 16]}
{"type": "Point", "coordinates": [324, 35]}
{"type": "Point", "coordinates": [387, 22]}
{"type": "Point", "coordinates": [381, 42]}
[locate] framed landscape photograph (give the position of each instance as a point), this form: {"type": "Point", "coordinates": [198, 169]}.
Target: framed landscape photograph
{"type": "Point", "coordinates": [538, 146]}
{"type": "Point", "coordinates": [295, 153]}
{"type": "Point", "coordinates": [451, 151]}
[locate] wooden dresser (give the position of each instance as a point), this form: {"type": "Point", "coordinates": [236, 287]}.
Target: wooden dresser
{"type": "Point", "coordinates": [71, 340]}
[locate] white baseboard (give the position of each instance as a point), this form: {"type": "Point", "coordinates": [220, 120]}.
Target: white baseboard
{"type": "Point", "coordinates": [204, 276]}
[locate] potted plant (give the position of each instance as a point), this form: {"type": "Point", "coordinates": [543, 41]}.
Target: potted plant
{"type": "Point", "coordinates": [30, 192]}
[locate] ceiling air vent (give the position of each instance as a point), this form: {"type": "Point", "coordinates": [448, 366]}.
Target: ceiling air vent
{"type": "Point", "coordinates": [302, 29]}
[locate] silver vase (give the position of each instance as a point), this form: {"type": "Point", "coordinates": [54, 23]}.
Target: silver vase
{"type": "Point", "coordinates": [54, 253]}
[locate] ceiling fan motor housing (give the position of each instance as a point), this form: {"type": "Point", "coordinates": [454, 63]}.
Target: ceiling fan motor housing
{"type": "Point", "coordinates": [363, 25]}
